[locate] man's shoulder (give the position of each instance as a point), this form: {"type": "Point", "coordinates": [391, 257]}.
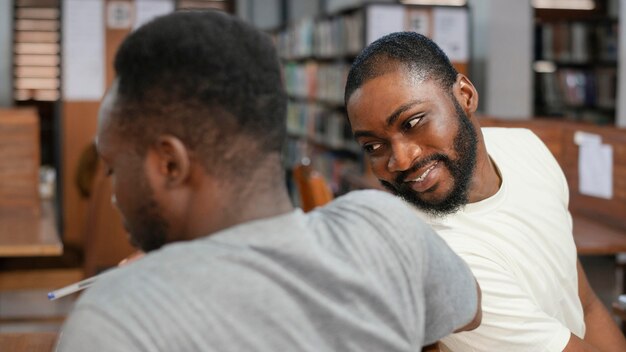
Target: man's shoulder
{"type": "Point", "coordinates": [518, 142]}
{"type": "Point", "coordinates": [374, 204]}
{"type": "Point", "coordinates": [509, 135]}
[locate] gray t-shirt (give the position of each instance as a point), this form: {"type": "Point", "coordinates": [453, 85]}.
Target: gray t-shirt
{"type": "Point", "coordinates": [361, 274]}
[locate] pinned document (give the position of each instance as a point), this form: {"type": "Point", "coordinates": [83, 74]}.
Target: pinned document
{"type": "Point", "coordinates": [147, 10]}
{"type": "Point", "coordinates": [595, 165]}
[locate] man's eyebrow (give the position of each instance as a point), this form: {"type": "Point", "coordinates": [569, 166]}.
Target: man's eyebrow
{"type": "Point", "coordinates": [359, 134]}
{"type": "Point", "coordinates": [391, 119]}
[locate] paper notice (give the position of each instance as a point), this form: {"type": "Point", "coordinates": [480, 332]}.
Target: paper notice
{"type": "Point", "coordinates": [595, 166]}
{"type": "Point", "coordinates": [382, 20]}
{"type": "Point", "coordinates": [146, 10]}
{"type": "Point", "coordinates": [450, 32]}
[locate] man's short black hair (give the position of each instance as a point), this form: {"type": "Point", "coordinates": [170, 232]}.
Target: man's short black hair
{"type": "Point", "coordinates": [208, 78]}
{"type": "Point", "coordinates": [420, 55]}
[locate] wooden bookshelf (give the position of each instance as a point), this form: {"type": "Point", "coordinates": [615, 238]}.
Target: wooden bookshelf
{"type": "Point", "coordinates": [576, 64]}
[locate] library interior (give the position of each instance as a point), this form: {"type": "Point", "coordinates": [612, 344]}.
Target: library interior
{"type": "Point", "coordinates": [547, 65]}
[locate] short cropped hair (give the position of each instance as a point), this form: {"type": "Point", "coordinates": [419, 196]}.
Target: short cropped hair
{"type": "Point", "coordinates": [410, 50]}
{"type": "Point", "coordinates": [208, 78]}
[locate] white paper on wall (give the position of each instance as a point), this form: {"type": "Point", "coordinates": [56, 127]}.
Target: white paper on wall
{"type": "Point", "coordinates": [418, 20]}
{"type": "Point", "coordinates": [450, 32]}
{"type": "Point", "coordinates": [382, 20]}
{"type": "Point", "coordinates": [146, 10]}
{"type": "Point", "coordinates": [83, 50]}
{"type": "Point", "coordinates": [595, 165]}
{"type": "Point", "coordinates": [119, 14]}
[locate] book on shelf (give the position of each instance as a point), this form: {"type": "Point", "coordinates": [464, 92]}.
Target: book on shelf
{"type": "Point", "coordinates": [578, 42]}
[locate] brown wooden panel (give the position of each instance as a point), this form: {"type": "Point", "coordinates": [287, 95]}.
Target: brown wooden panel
{"type": "Point", "coordinates": [28, 341]}
{"type": "Point", "coordinates": [461, 67]}
{"type": "Point", "coordinates": [79, 129]}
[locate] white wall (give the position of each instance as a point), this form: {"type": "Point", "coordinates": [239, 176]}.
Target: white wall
{"type": "Point", "coordinates": [6, 48]}
{"type": "Point", "coordinates": [502, 55]}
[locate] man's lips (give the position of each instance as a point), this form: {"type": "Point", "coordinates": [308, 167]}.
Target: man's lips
{"type": "Point", "coordinates": [422, 173]}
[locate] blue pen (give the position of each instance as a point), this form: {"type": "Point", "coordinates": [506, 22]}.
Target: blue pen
{"type": "Point", "coordinates": [67, 290]}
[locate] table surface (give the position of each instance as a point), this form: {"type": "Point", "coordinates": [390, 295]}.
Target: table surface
{"type": "Point", "coordinates": [28, 341]}
{"type": "Point", "coordinates": [594, 238]}
{"type": "Point", "coordinates": [26, 234]}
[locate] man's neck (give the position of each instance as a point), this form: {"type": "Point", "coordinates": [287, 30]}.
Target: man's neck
{"type": "Point", "coordinates": [487, 179]}
{"type": "Point", "coordinates": [221, 206]}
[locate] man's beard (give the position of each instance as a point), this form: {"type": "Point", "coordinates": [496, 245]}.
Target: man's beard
{"type": "Point", "coordinates": [461, 170]}
{"type": "Point", "coordinates": [150, 228]}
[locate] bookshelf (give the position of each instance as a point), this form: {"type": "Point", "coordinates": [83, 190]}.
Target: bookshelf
{"type": "Point", "coordinates": [317, 53]}
{"type": "Point", "coordinates": [576, 55]}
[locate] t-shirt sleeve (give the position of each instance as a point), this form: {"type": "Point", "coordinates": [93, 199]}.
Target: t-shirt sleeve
{"type": "Point", "coordinates": [510, 318]}
{"type": "Point", "coordinates": [450, 292]}
{"type": "Point", "coordinates": [90, 329]}
{"type": "Point", "coordinates": [442, 288]}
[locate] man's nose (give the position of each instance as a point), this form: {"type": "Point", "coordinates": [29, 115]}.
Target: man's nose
{"type": "Point", "coordinates": [403, 156]}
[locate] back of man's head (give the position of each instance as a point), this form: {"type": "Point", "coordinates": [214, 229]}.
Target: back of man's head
{"type": "Point", "coordinates": [207, 78]}
{"type": "Point", "coordinates": [408, 50]}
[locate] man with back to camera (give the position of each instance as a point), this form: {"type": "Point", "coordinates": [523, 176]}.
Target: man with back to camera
{"type": "Point", "coordinates": [191, 134]}
{"type": "Point", "coordinates": [497, 196]}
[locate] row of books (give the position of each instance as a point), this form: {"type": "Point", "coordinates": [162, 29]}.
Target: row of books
{"type": "Point", "coordinates": [344, 36]}
{"type": "Point", "coordinates": [578, 88]}
{"type": "Point", "coordinates": [333, 37]}
{"type": "Point", "coordinates": [577, 42]}
{"type": "Point", "coordinates": [319, 81]}
{"type": "Point", "coordinates": [318, 124]}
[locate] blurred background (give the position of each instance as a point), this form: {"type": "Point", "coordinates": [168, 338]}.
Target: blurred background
{"type": "Point", "coordinates": [550, 65]}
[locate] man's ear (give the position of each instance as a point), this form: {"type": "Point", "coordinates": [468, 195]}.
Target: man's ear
{"type": "Point", "coordinates": [169, 159]}
{"type": "Point", "coordinates": [465, 93]}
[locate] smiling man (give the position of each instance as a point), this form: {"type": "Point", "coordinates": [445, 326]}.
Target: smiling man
{"type": "Point", "coordinates": [497, 196]}
{"type": "Point", "coordinates": [191, 133]}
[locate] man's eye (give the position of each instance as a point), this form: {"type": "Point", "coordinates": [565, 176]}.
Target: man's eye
{"type": "Point", "coordinates": [370, 148]}
{"type": "Point", "coordinates": [412, 122]}
{"type": "Point", "coordinates": [108, 171]}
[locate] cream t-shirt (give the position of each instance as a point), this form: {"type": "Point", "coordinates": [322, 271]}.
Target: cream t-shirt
{"type": "Point", "coordinates": [519, 246]}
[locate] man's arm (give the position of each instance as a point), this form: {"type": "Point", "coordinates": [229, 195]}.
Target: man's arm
{"type": "Point", "coordinates": [477, 317]}
{"type": "Point", "coordinates": [601, 332]}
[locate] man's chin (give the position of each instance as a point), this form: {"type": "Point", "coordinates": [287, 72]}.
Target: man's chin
{"type": "Point", "coordinates": [434, 207]}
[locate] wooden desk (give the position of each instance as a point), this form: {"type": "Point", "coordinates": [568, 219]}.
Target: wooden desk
{"type": "Point", "coordinates": [595, 238]}
{"type": "Point", "coordinates": [28, 341]}
{"type": "Point", "coordinates": [24, 234]}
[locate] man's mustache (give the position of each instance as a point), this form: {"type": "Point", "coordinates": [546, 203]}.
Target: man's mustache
{"type": "Point", "coordinates": [403, 175]}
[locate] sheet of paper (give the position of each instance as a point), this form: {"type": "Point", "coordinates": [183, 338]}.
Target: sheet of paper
{"type": "Point", "coordinates": [595, 166]}
{"type": "Point", "coordinates": [418, 20]}
{"type": "Point", "coordinates": [119, 14]}
{"type": "Point", "coordinates": [83, 50]}
{"type": "Point", "coordinates": [586, 138]}
{"type": "Point", "coordinates": [146, 10]}
{"type": "Point", "coordinates": [382, 20]}
{"type": "Point", "coordinates": [450, 32]}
